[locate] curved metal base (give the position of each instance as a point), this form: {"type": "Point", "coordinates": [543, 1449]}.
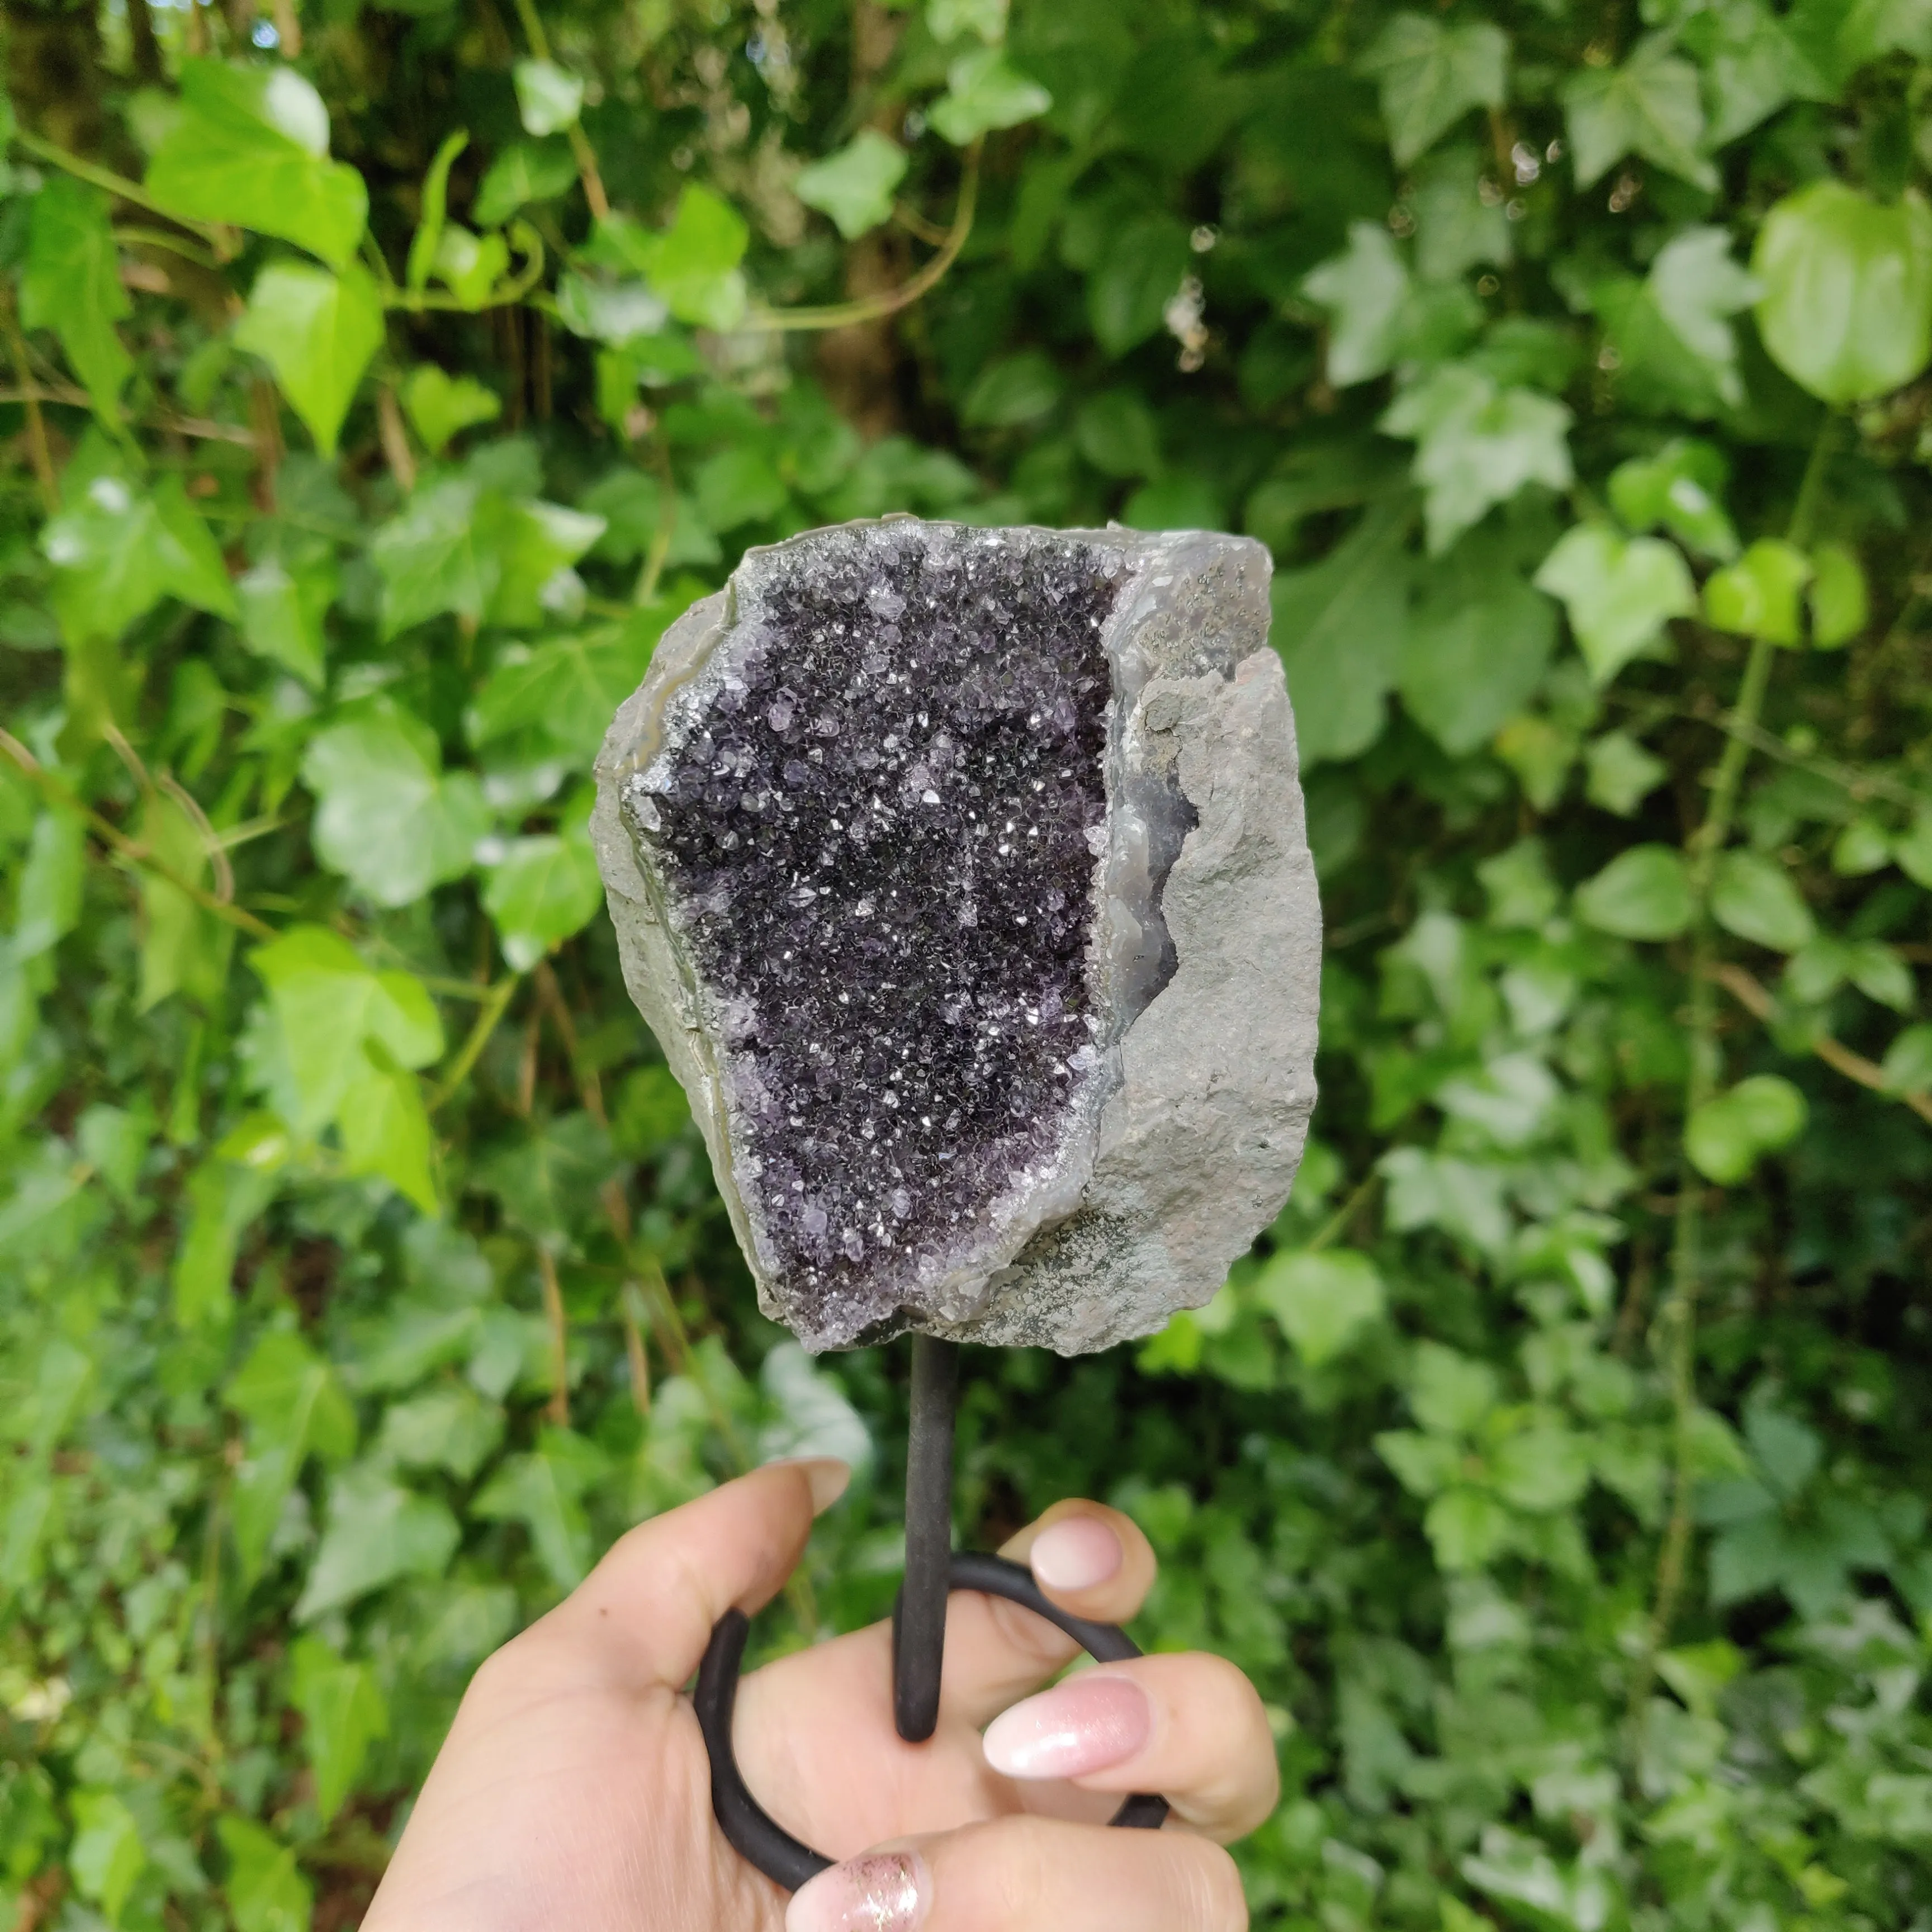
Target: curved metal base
{"type": "Point", "coordinates": [752, 1833]}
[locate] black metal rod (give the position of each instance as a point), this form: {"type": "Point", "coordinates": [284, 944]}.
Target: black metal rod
{"type": "Point", "coordinates": [919, 1623]}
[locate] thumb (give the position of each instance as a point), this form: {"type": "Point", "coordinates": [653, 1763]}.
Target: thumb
{"type": "Point", "coordinates": [648, 1608]}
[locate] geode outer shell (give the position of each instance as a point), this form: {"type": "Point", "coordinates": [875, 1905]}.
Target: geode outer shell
{"type": "Point", "coordinates": [962, 875]}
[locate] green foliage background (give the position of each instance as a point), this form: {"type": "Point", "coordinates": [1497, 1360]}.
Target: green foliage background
{"type": "Point", "coordinates": [382, 380]}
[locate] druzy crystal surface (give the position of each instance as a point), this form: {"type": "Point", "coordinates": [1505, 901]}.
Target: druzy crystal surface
{"type": "Point", "coordinates": [889, 832]}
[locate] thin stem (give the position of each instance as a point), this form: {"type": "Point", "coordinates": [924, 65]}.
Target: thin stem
{"type": "Point", "coordinates": [870, 308]}
{"type": "Point", "coordinates": [37, 427]}
{"type": "Point", "coordinates": [558, 1408]}
{"type": "Point", "coordinates": [585, 155]}
{"type": "Point", "coordinates": [492, 1010]}
{"type": "Point", "coordinates": [126, 849]}
{"type": "Point", "coordinates": [118, 185]}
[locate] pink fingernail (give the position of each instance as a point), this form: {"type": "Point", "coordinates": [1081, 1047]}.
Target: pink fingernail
{"type": "Point", "coordinates": [1075, 1553]}
{"type": "Point", "coordinates": [881, 1891]}
{"type": "Point", "coordinates": [1085, 1724]}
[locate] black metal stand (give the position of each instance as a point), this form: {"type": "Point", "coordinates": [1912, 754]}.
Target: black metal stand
{"type": "Point", "coordinates": [932, 1572]}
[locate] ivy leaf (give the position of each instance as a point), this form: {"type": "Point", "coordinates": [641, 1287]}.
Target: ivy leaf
{"type": "Point", "coordinates": [1366, 292]}
{"type": "Point", "coordinates": [1478, 445]}
{"type": "Point", "coordinates": [448, 1427]}
{"type": "Point", "coordinates": [266, 1890]}
{"type": "Point", "coordinates": [250, 145]}
{"type": "Point", "coordinates": [1622, 774]}
{"type": "Point", "coordinates": [1130, 285]}
{"type": "Point", "coordinates": [108, 1853]}
{"type": "Point", "coordinates": [436, 555]}
{"type": "Point", "coordinates": [1431, 75]}
{"type": "Point", "coordinates": [385, 1130]}
{"type": "Point", "coordinates": [1013, 390]}
{"type": "Point", "coordinates": [525, 171]}
{"type": "Point", "coordinates": [1754, 65]}
{"type": "Point", "coordinates": [377, 1531]}
{"type": "Point", "coordinates": [1650, 106]}
{"type": "Point", "coordinates": [737, 486]}
{"type": "Point", "coordinates": [949, 18]}
{"type": "Point", "coordinates": [1697, 286]}
{"type": "Point", "coordinates": [548, 100]}
{"type": "Point", "coordinates": [1321, 1301]}
{"type": "Point", "coordinates": [543, 1493]}
{"type": "Point", "coordinates": [1758, 595]}
{"type": "Point", "coordinates": [1680, 487]}
{"type": "Point", "coordinates": [536, 544]}
{"type": "Point", "coordinates": [1726, 1138]}
{"type": "Point", "coordinates": [71, 284]}
{"type": "Point", "coordinates": [982, 93]}
{"type": "Point", "coordinates": [855, 187]}
{"type": "Point", "coordinates": [1751, 896]}
{"type": "Point", "coordinates": [1480, 639]}
{"type": "Point", "coordinates": [542, 889]}
{"type": "Point", "coordinates": [183, 948]}
{"type": "Point", "coordinates": [343, 1713]}
{"type": "Point", "coordinates": [439, 405]}
{"type": "Point", "coordinates": [317, 331]}
{"type": "Point", "coordinates": [1847, 310]}
{"type": "Point", "coordinates": [1116, 432]}
{"type": "Point", "coordinates": [1619, 592]}
{"type": "Point", "coordinates": [573, 684]}
{"type": "Point", "coordinates": [1840, 604]}
{"type": "Point", "coordinates": [1643, 893]}
{"type": "Point", "coordinates": [547, 1181]}
{"type": "Point", "coordinates": [1340, 626]}
{"type": "Point", "coordinates": [116, 554]}
{"type": "Point", "coordinates": [1907, 1065]}
{"type": "Point", "coordinates": [389, 819]}
{"type": "Point", "coordinates": [469, 265]}
{"type": "Point", "coordinates": [295, 1407]}
{"type": "Point", "coordinates": [692, 265]}
{"type": "Point", "coordinates": [328, 1001]}
{"type": "Point", "coordinates": [224, 1197]}
{"type": "Point", "coordinates": [282, 615]}
{"type": "Point", "coordinates": [1455, 229]}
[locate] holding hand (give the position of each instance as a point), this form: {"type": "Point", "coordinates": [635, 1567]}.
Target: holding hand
{"type": "Point", "coordinates": [574, 1791]}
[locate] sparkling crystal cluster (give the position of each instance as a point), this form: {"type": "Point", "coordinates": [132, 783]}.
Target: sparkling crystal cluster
{"type": "Point", "coordinates": [888, 831]}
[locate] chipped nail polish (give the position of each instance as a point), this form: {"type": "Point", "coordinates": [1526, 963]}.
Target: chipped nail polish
{"type": "Point", "coordinates": [879, 1891]}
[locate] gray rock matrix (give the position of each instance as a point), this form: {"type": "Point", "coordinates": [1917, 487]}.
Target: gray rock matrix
{"type": "Point", "coordinates": [962, 876]}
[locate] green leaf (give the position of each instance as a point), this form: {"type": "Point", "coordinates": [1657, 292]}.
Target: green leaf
{"type": "Point", "coordinates": [1725, 1137]}
{"type": "Point", "coordinates": [548, 100]}
{"type": "Point", "coordinates": [544, 888]}
{"type": "Point", "coordinates": [1840, 604]}
{"type": "Point", "coordinates": [282, 616]}
{"type": "Point", "coordinates": [1341, 626]}
{"type": "Point", "coordinates": [1751, 896]}
{"type": "Point", "coordinates": [250, 145]}
{"type": "Point", "coordinates": [223, 1198]}
{"type": "Point", "coordinates": [738, 486]}
{"type": "Point", "coordinates": [388, 817]}
{"type": "Point", "coordinates": [1478, 445]}
{"type": "Point", "coordinates": [450, 1427]}
{"type": "Point", "coordinates": [1650, 107]}
{"type": "Point", "coordinates": [343, 1713]}
{"type": "Point", "coordinates": [693, 265]}
{"type": "Point", "coordinates": [543, 1492]}
{"type": "Point", "coordinates": [317, 331]}
{"type": "Point", "coordinates": [1321, 1301]}
{"type": "Point", "coordinates": [1014, 390]}
{"type": "Point", "coordinates": [1759, 595]}
{"type": "Point", "coordinates": [107, 1854]}
{"type": "Point", "coordinates": [1907, 1065]}
{"type": "Point", "coordinates": [1455, 229]}
{"type": "Point", "coordinates": [855, 187]}
{"type": "Point", "coordinates": [573, 684]}
{"type": "Point", "coordinates": [1480, 639]}
{"type": "Point", "coordinates": [1542, 1469]}
{"type": "Point", "coordinates": [1697, 288]}
{"type": "Point", "coordinates": [1450, 1393]}
{"type": "Point", "coordinates": [71, 284]}
{"type": "Point", "coordinates": [1681, 488]}
{"type": "Point", "coordinates": [385, 1131]}
{"type": "Point", "coordinates": [1366, 292]}
{"type": "Point", "coordinates": [1847, 310]}
{"type": "Point", "coordinates": [436, 554]}
{"type": "Point", "coordinates": [949, 19]}
{"type": "Point", "coordinates": [266, 1890]}
{"type": "Point", "coordinates": [1622, 774]}
{"type": "Point", "coordinates": [470, 265]}
{"type": "Point", "coordinates": [1431, 75]}
{"type": "Point", "coordinates": [329, 1002]}
{"type": "Point", "coordinates": [1115, 431]}
{"type": "Point", "coordinates": [117, 554]}
{"type": "Point", "coordinates": [47, 906]}
{"type": "Point", "coordinates": [1131, 285]}
{"type": "Point", "coordinates": [433, 211]}
{"type": "Point", "coordinates": [547, 1181]}
{"type": "Point", "coordinates": [183, 948]}
{"type": "Point", "coordinates": [536, 544]}
{"type": "Point", "coordinates": [1643, 893]}
{"type": "Point", "coordinates": [377, 1531]}
{"type": "Point", "coordinates": [525, 171]}
{"type": "Point", "coordinates": [295, 1407]}
{"type": "Point", "coordinates": [1619, 592]}
{"type": "Point", "coordinates": [982, 93]}
{"type": "Point", "coordinates": [1912, 851]}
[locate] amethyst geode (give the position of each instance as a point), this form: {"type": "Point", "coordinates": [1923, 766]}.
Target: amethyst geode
{"type": "Point", "coordinates": [961, 875]}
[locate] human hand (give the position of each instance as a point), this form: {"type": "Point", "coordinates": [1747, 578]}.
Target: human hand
{"type": "Point", "coordinates": [574, 1791]}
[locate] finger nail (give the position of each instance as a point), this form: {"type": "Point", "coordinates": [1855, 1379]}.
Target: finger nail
{"type": "Point", "coordinates": [1075, 1553]}
{"type": "Point", "coordinates": [883, 1891]}
{"type": "Point", "coordinates": [1087, 1723]}
{"type": "Point", "coordinates": [827, 1477]}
